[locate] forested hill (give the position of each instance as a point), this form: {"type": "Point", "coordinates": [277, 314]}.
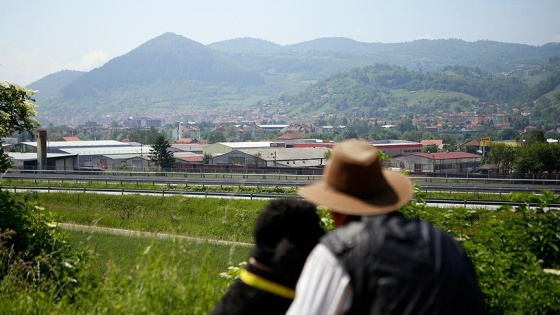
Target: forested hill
{"type": "Point", "coordinates": [390, 92]}
{"type": "Point", "coordinates": [168, 58]}
{"type": "Point", "coordinates": [51, 85]}
{"type": "Point", "coordinates": [428, 55]}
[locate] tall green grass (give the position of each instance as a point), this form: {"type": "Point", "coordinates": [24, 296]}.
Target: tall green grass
{"type": "Point", "coordinates": [124, 251]}
{"type": "Point", "coordinates": [137, 276]}
{"type": "Point", "coordinates": [216, 218]}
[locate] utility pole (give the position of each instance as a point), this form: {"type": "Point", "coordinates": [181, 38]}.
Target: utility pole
{"type": "Point", "coordinates": [141, 157]}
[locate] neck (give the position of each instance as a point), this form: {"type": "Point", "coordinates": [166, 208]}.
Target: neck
{"type": "Point", "coordinates": [259, 265]}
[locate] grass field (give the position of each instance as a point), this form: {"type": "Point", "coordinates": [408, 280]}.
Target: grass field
{"type": "Point", "coordinates": [127, 251]}
{"type": "Point", "coordinates": [197, 217]}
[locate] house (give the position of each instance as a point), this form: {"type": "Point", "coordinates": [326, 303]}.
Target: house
{"type": "Point", "coordinates": [290, 136]}
{"type": "Point", "coordinates": [477, 128]}
{"type": "Point", "coordinates": [71, 139]}
{"type": "Point", "coordinates": [395, 148]}
{"type": "Point", "coordinates": [273, 127]}
{"type": "Point", "coordinates": [183, 159]}
{"type": "Point", "coordinates": [445, 162]}
{"type": "Point", "coordinates": [529, 128]}
{"type": "Point", "coordinates": [185, 141]}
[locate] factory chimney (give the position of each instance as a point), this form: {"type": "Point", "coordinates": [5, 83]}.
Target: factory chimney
{"type": "Point", "coordinates": [41, 149]}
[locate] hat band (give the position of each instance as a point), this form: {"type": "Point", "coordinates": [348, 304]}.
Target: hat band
{"type": "Point", "coordinates": [363, 196]}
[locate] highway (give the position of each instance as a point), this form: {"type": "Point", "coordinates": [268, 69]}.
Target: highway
{"type": "Point", "coordinates": [488, 185]}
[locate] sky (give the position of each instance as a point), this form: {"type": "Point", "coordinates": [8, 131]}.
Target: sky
{"type": "Point", "coordinates": [41, 37]}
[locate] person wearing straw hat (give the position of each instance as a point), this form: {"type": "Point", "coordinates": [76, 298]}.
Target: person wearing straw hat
{"type": "Point", "coordinates": [376, 261]}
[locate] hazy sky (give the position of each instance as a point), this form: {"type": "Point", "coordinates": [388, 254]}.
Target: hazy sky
{"type": "Point", "coordinates": [40, 37]}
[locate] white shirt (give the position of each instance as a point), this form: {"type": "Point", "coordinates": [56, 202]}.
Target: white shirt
{"type": "Point", "coordinates": [323, 287]}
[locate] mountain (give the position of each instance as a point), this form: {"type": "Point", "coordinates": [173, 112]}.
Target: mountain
{"type": "Point", "coordinates": [52, 84]}
{"type": "Point", "coordinates": [247, 45]}
{"type": "Point", "coordinates": [171, 76]}
{"type": "Point", "coordinates": [335, 44]}
{"type": "Point", "coordinates": [168, 58]}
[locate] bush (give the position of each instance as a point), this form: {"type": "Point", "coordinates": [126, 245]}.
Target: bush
{"type": "Point", "coordinates": [34, 253]}
{"type": "Point", "coordinates": [510, 249]}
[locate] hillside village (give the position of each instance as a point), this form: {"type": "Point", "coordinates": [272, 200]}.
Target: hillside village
{"type": "Point", "coordinates": [277, 113]}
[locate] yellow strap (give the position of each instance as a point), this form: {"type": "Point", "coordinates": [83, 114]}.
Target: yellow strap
{"type": "Point", "coordinates": [266, 285]}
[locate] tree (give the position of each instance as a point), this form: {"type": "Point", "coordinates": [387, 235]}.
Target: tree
{"type": "Point", "coordinates": [160, 154]}
{"type": "Point", "coordinates": [412, 135]}
{"type": "Point", "coordinates": [539, 158]}
{"type": "Point", "coordinates": [206, 158]}
{"type": "Point", "coordinates": [508, 134]}
{"type": "Point", "coordinates": [17, 114]}
{"type": "Point", "coordinates": [214, 136]}
{"type": "Point", "coordinates": [145, 136]}
{"type": "Point", "coordinates": [534, 136]}
{"type": "Point", "coordinates": [503, 156]}
{"type": "Point", "coordinates": [432, 148]}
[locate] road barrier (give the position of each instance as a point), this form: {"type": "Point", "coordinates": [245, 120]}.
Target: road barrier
{"type": "Point", "coordinates": [237, 195]}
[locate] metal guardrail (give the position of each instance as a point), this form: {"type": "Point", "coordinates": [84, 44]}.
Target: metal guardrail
{"type": "Point", "coordinates": [162, 192]}
{"type": "Point", "coordinates": [430, 177]}
{"type": "Point", "coordinates": [175, 178]}
{"type": "Point", "coordinates": [251, 196]}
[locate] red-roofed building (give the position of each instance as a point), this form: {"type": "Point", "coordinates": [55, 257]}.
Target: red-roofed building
{"type": "Point", "coordinates": [445, 162]}
{"type": "Point", "coordinates": [190, 159]}
{"type": "Point", "coordinates": [290, 136]}
{"type": "Point", "coordinates": [71, 139]}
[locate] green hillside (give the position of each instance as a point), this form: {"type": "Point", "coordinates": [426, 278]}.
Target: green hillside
{"type": "Point", "coordinates": [371, 89]}
{"type": "Point", "coordinates": [51, 85]}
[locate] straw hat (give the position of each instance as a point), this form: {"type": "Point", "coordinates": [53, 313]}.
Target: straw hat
{"type": "Point", "coordinates": [354, 182]}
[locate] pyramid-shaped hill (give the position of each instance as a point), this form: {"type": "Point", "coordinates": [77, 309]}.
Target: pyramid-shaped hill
{"type": "Point", "coordinates": [168, 58]}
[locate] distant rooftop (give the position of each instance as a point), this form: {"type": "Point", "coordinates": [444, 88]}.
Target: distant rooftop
{"type": "Point", "coordinates": [33, 156]}
{"type": "Point", "coordinates": [392, 142]}
{"type": "Point", "coordinates": [83, 144]}
{"type": "Point", "coordinates": [109, 150]}
{"type": "Point", "coordinates": [448, 155]}
{"type": "Point", "coordinates": [248, 144]}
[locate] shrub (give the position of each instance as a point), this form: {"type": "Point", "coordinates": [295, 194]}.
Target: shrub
{"type": "Point", "coordinates": [34, 252]}
{"type": "Point", "coordinates": [510, 248]}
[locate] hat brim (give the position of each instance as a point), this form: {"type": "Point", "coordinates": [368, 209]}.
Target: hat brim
{"type": "Point", "coordinates": [397, 193]}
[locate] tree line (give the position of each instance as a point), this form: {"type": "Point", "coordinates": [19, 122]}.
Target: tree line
{"type": "Point", "coordinates": [533, 156]}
